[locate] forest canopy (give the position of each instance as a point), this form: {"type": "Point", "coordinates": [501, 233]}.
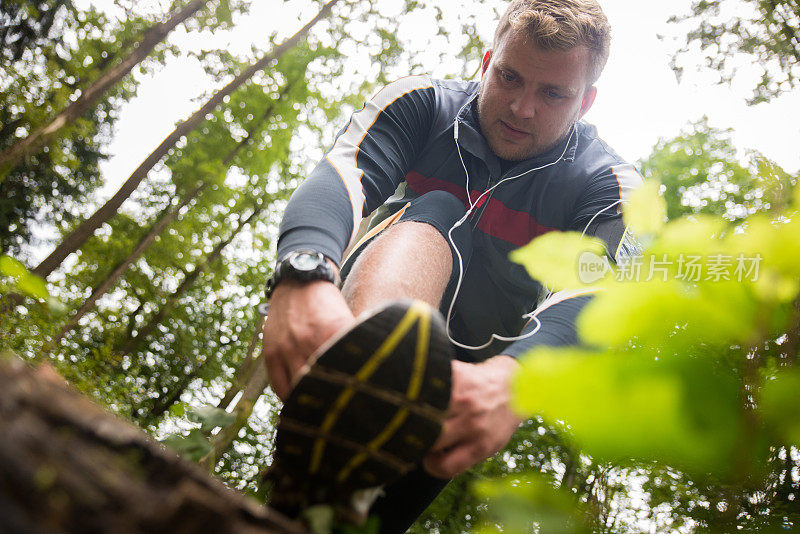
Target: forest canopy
{"type": "Point", "coordinates": [683, 415]}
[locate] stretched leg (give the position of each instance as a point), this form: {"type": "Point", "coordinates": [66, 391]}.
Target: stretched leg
{"type": "Point", "coordinates": [409, 260]}
{"type": "Point", "coordinates": [412, 258]}
{"type": "Point", "coordinates": [326, 417]}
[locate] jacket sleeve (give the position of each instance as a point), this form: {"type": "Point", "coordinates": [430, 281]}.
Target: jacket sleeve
{"type": "Point", "coordinates": [598, 213]}
{"type": "Point", "coordinates": [368, 160]}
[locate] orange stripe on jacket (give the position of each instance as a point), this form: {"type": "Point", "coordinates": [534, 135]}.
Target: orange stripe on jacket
{"type": "Point", "coordinates": [343, 156]}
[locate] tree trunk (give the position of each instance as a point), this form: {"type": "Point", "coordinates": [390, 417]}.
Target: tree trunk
{"type": "Point", "coordinates": [141, 333]}
{"type": "Point", "coordinates": [246, 368]}
{"type": "Point", "coordinates": [67, 466]}
{"type": "Point", "coordinates": [244, 409]}
{"type": "Point", "coordinates": [258, 124]}
{"type": "Point", "coordinates": [85, 230]}
{"type": "Point", "coordinates": [31, 144]}
{"type": "Point", "coordinates": [167, 216]}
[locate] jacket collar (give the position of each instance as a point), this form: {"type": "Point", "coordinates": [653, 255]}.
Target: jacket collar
{"type": "Point", "coordinates": [470, 137]}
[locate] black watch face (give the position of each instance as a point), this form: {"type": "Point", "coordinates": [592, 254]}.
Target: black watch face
{"type": "Point", "coordinates": [305, 261]}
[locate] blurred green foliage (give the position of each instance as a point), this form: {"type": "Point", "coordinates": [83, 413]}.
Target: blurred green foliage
{"type": "Point", "coordinates": [692, 372]}
{"type": "Point", "coordinates": [701, 172]}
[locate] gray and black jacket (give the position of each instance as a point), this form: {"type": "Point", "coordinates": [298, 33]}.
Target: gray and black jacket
{"type": "Point", "coordinates": [401, 145]}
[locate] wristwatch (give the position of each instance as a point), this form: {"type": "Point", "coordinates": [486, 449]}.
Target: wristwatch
{"type": "Point", "coordinates": [304, 266]}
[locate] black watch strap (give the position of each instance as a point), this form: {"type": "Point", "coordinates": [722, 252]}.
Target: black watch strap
{"type": "Point", "coordinates": [303, 266]}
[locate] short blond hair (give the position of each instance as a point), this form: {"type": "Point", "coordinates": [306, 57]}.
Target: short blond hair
{"type": "Point", "coordinates": [561, 25]}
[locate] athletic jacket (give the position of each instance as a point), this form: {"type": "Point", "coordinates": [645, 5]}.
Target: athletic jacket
{"type": "Point", "coordinates": [402, 144]}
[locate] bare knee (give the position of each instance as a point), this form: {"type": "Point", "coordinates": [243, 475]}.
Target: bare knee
{"type": "Point", "coordinates": [408, 260]}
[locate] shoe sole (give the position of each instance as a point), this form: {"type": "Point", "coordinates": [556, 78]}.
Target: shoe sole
{"type": "Point", "coordinates": [369, 408]}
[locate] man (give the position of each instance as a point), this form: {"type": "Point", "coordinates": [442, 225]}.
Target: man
{"type": "Point", "coordinates": [486, 167]}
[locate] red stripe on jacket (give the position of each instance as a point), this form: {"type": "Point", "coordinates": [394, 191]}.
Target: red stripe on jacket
{"type": "Point", "coordinates": [497, 220]}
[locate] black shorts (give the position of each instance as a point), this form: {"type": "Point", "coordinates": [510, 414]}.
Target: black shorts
{"type": "Point", "coordinates": [482, 305]}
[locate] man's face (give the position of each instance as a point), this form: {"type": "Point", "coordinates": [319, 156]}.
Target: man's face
{"type": "Point", "coordinates": [529, 98]}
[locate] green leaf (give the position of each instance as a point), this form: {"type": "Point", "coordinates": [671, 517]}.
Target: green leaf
{"type": "Point", "coordinates": [56, 307]}
{"type": "Point", "coordinates": [556, 258]}
{"type": "Point", "coordinates": [210, 417]}
{"type": "Point", "coordinates": [11, 267]}
{"type": "Point", "coordinates": [33, 285]}
{"type": "Point", "coordinates": [695, 235]}
{"type": "Point", "coordinates": [194, 446]}
{"type": "Point", "coordinates": [773, 243]}
{"type": "Point", "coordinates": [656, 313]}
{"type": "Point", "coordinates": [646, 211]}
{"type": "Point", "coordinates": [26, 282]}
{"type": "Point", "coordinates": [516, 503]}
{"type": "Point", "coordinates": [320, 518]}
{"type": "Point", "coordinates": [678, 410]}
{"type": "Point", "coordinates": [178, 409]}
{"type": "Point", "coordinates": [223, 13]}
{"type": "Point", "coordinates": [780, 406]}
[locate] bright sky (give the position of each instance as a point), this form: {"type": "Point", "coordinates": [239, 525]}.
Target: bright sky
{"type": "Point", "coordinates": [639, 100]}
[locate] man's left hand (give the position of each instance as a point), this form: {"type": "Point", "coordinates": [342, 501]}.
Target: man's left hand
{"type": "Point", "coordinates": [479, 419]}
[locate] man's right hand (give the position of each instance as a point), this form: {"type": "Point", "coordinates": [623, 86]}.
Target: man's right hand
{"type": "Point", "coordinates": [302, 316]}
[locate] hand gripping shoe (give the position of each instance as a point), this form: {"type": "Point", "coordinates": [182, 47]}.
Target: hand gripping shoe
{"type": "Point", "coordinates": [368, 409]}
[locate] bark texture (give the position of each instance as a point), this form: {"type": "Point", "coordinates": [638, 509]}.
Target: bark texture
{"type": "Point", "coordinates": [68, 466]}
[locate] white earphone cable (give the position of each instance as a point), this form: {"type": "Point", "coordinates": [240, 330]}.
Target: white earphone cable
{"type": "Point", "coordinates": [477, 203]}
{"type": "Point", "coordinates": [472, 206]}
